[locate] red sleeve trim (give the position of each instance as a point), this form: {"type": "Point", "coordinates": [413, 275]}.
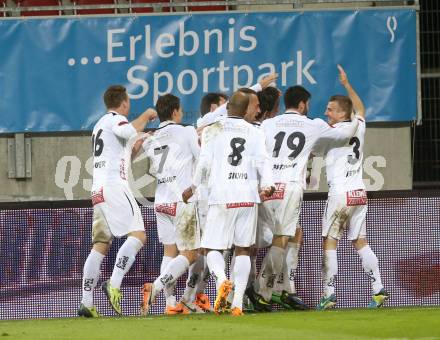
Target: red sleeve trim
{"type": "Point", "coordinates": [363, 121]}
{"type": "Point", "coordinates": [122, 123]}
{"type": "Point", "coordinates": [331, 125]}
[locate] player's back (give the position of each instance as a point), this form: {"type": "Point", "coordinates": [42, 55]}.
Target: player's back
{"type": "Point", "coordinates": [344, 163]}
{"type": "Point", "coordinates": [172, 150]}
{"type": "Point", "coordinates": [109, 158]}
{"type": "Point", "coordinates": [235, 147]}
{"type": "Point", "coordinates": [289, 140]}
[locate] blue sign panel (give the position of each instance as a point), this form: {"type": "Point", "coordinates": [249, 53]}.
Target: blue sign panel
{"type": "Point", "coordinates": [53, 72]}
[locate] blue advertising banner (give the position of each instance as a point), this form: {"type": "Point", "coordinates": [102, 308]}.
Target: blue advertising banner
{"type": "Point", "coordinates": [53, 72]}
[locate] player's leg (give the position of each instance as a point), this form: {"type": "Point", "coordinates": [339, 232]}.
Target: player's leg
{"type": "Point", "coordinates": [202, 300]}
{"type": "Point", "coordinates": [124, 218]}
{"type": "Point", "coordinates": [170, 251]}
{"type": "Point", "coordinates": [357, 235]}
{"type": "Point", "coordinates": [101, 239]}
{"type": "Point", "coordinates": [285, 291]}
{"type": "Point", "coordinates": [334, 223]}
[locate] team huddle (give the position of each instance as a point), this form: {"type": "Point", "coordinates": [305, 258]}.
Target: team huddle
{"type": "Point", "coordinates": [230, 187]}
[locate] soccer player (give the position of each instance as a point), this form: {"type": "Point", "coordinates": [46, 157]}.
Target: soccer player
{"type": "Point", "coordinates": [172, 152]}
{"type": "Point", "coordinates": [115, 211]}
{"type": "Point", "coordinates": [290, 138]}
{"type": "Point", "coordinates": [346, 207]}
{"type": "Point", "coordinates": [221, 111]}
{"type": "Point", "coordinates": [209, 103]}
{"type": "Point", "coordinates": [234, 159]}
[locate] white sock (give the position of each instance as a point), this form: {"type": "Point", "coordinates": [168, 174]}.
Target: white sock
{"type": "Point", "coordinates": [329, 271]}
{"type": "Point", "coordinates": [124, 260]}
{"type": "Point", "coordinates": [170, 296]}
{"type": "Point", "coordinates": [289, 267]}
{"type": "Point", "coordinates": [232, 277]}
{"type": "Point", "coordinates": [205, 277]}
{"type": "Point", "coordinates": [270, 269]}
{"type": "Point", "coordinates": [371, 267]}
{"type": "Point", "coordinates": [216, 264]}
{"type": "Point", "coordinates": [241, 270]}
{"type": "Point", "coordinates": [173, 271]}
{"type": "Point", "coordinates": [253, 271]}
{"type": "Point", "coordinates": [194, 276]}
{"type": "Point", "coordinates": [91, 276]}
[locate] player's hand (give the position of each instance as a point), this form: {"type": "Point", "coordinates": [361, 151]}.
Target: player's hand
{"type": "Point", "coordinates": [187, 194]}
{"type": "Point", "coordinates": [343, 76]}
{"type": "Point", "coordinates": [151, 114]}
{"type": "Point", "coordinates": [267, 192]}
{"type": "Point", "coordinates": [266, 81]}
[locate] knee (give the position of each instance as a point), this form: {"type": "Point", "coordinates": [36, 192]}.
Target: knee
{"type": "Point", "coordinates": [191, 255]}
{"type": "Point", "coordinates": [101, 248]}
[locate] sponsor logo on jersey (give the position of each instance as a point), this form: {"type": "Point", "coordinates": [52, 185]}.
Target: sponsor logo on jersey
{"type": "Point", "coordinates": [283, 166]}
{"type": "Point", "coordinates": [168, 209]}
{"type": "Point", "coordinates": [278, 193]}
{"type": "Point", "coordinates": [239, 205]}
{"type": "Point", "coordinates": [356, 197]}
{"type": "Point", "coordinates": [97, 196]}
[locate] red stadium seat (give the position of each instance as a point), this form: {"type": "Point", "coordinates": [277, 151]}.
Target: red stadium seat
{"type": "Point", "coordinates": [38, 3]}
{"type": "Point", "coordinates": [3, 4]}
{"type": "Point", "coordinates": [206, 8]}
{"type": "Point", "coordinates": [95, 2]}
{"type": "Point", "coordinates": [149, 9]}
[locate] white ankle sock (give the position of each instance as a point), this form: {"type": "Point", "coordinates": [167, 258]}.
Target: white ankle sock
{"type": "Point", "coordinates": [371, 267]}
{"type": "Point", "coordinates": [173, 271]}
{"type": "Point", "coordinates": [91, 276]}
{"type": "Point", "coordinates": [124, 260]}
{"type": "Point", "coordinates": [270, 269]}
{"type": "Point", "coordinates": [216, 264]}
{"type": "Point", "coordinates": [329, 271]}
{"type": "Point", "coordinates": [205, 277]}
{"type": "Point", "coordinates": [194, 276]}
{"type": "Point", "coordinates": [289, 267]}
{"type": "Point", "coordinates": [169, 292]}
{"type": "Point", "coordinates": [241, 270]}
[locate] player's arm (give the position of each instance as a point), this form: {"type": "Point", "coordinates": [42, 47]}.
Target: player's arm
{"type": "Point", "coordinates": [125, 130]}
{"type": "Point", "coordinates": [137, 147]}
{"type": "Point", "coordinates": [193, 141]}
{"type": "Point", "coordinates": [264, 82]}
{"type": "Point", "coordinates": [263, 166]}
{"type": "Point", "coordinates": [358, 105]}
{"type": "Point", "coordinates": [203, 164]}
{"type": "Point", "coordinates": [340, 133]}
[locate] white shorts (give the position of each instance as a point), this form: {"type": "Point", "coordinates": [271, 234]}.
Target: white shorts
{"type": "Point", "coordinates": [177, 223]}
{"type": "Point", "coordinates": [115, 213]}
{"type": "Point", "coordinates": [280, 213]}
{"type": "Point", "coordinates": [344, 212]}
{"type": "Point", "coordinates": [202, 210]}
{"type": "Point", "coordinates": [230, 224]}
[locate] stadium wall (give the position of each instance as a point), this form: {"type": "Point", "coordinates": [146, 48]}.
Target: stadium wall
{"type": "Point", "coordinates": [61, 169]}
{"type": "Point", "coordinates": [41, 263]}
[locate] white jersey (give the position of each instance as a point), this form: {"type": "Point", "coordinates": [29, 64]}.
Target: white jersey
{"type": "Point", "coordinates": [109, 137]}
{"type": "Point", "coordinates": [172, 151]}
{"type": "Point", "coordinates": [290, 139]}
{"type": "Point", "coordinates": [344, 164]}
{"type": "Point", "coordinates": [234, 160]}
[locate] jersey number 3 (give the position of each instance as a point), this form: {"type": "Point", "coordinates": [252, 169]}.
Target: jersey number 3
{"type": "Point", "coordinates": [237, 145]}
{"type": "Point", "coordinates": [354, 141]}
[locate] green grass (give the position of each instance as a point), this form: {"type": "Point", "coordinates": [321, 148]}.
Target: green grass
{"type": "Point", "coordinates": [391, 323]}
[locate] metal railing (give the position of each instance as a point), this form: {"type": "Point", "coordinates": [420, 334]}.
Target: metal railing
{"type": "Point", "coordinates": [8, 9]}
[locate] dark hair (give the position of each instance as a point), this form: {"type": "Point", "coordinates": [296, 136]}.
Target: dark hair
{"type": "Point", "coordinates": [268, 99]}
{"type": "Point", "coordinates": [114, 96]}
{"type": "Point", "coordinates": [209, 99]}
{"type": "Point", "coordinates": [166, 105]}
{"type": "Point", "coordinates": [344, 103]}
{"type": "Point", "coordinates": [295, 95]}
